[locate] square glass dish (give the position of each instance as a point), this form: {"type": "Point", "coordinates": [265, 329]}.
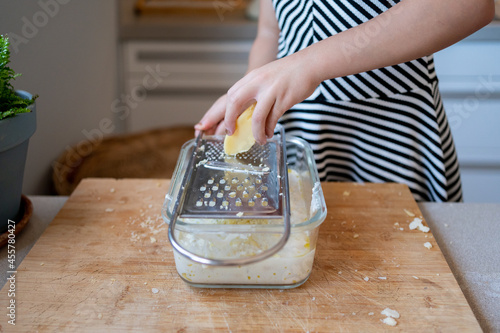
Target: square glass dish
{"type": "Point", "coordinates": [240, 237]}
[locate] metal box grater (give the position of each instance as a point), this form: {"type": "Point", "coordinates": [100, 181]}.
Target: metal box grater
{"type": "Point", "coordinates": [251, 185]}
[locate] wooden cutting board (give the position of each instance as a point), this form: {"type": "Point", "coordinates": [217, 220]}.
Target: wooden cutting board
{"type": "Point", "coordinates": [105, 264]}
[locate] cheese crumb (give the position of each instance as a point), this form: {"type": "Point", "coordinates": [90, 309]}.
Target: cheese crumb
{"type": "Point", "coordinates": [417, 223]}
{"type": "Point", "coordinates": [240, 214]}
{"type": "Point", "coordinates": [109, 210]}
{"type": "Point", "coordinates": [112, 190]}
{"type": "Point", "coordinates": [382, 278]}
{"type": "Point", "coordinates": [390, 321]}
{"type": "Point", "coordinates": [155, 290]}
{"type": "Point", "coordinates": [409, 213]}
{"type": "Point", "coordinates": [390, 313]}
{"type": "Point", "coordinates": [346, 193]}
{"type": "Point", "coordinates": [355, 236]}
{"type": "Point", "coordinates": [153, 240]}
{"type": "Point", "coordinates": [416, 277]}
{"type": "Point", "coordinates": [366, 278]}
{"type": "Point", "coordinates": [428, 245]}
{"type": "Point", "coordinates": [371, 313]}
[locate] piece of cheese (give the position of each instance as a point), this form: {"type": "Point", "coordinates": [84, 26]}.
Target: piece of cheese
{"type": "Point", "coordinates": [390, 313]}
{"type": "Point", "coordinates": [389, 321]}
{"type": "Point", "coordinates": [242, 139]}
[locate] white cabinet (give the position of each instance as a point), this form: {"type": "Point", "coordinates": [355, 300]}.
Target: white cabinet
{"type": "Point", "coordinates": [469, 74]}
{"type": "Point", "coordinates": [175, 82]}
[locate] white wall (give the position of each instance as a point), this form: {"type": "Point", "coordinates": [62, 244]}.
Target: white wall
{"type": "Point", "coordinates": [66, 51]}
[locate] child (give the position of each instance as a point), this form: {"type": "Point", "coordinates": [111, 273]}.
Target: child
{"type": "Point", "coordinates": [356, 79]}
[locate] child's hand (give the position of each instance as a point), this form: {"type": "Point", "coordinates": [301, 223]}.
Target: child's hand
{"type": "Point", "coordinates": [276, 87]}
{"type": "Point", "coordinates": [213, 120]}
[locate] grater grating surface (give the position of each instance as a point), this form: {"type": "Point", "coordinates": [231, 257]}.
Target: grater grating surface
{"type": "Point", "coordinates": [248, 185]}
{"type": "Point", "coordinates": [255, 185]}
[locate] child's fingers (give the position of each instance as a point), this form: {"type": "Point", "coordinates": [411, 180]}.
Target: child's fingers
{"type": "Point", "coordinates": [259, 118]}
{"type": "Point", "coordinates": [272, 120]}
{"type": "Point", "coordinates": [221, 129]}
{"type": "Point", "coordinates": [238, 100]}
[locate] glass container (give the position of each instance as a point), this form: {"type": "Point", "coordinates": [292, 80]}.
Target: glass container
{"type": "Point", "coordinates": [241, 238]}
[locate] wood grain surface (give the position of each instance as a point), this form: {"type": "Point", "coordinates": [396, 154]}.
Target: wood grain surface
{"type": "Point", "coordinates": [105, 264]}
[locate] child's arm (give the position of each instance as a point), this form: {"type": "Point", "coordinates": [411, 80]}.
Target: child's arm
{"type": "Point", "coordinates": [407, 31]}
{"type": "Point", "coordinates": [263, 51]}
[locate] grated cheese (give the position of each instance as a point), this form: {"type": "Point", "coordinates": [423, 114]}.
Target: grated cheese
{"type": "Point", "coordinates": [417, 223]}
{"type": "Point", "coordinates": [390, 313]}
{"type": "Point", "coordinates": [389, 321]}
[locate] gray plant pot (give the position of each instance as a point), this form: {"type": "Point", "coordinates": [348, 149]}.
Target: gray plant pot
{"type": "Point", "coordinates": [15, 133]}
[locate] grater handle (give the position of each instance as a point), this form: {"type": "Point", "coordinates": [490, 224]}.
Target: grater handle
{"type": "Point", "coordinates": [237, 261]}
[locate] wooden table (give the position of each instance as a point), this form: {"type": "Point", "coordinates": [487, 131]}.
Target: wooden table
{"type": "Point", "coordinates": [105, 264]}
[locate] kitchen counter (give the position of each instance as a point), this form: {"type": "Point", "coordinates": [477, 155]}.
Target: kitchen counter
{"type": "Point", "coordinates": [467, 234]}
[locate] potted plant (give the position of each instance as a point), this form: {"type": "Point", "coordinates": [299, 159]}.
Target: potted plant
{"type": "Point", "coordinates": [17, 125]}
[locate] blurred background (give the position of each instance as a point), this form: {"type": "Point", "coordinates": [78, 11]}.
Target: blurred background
{"type": "Point", "coordinates": [144, 71]}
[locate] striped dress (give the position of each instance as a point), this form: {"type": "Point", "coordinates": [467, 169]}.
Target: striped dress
{"type": "Point", "coordinates": [384, 125]}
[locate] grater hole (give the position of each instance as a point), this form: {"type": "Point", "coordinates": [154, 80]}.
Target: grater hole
{"type": "Point", "coordinates": [264, 202]}
{"type": "Point", "coordinates": [232, 194]}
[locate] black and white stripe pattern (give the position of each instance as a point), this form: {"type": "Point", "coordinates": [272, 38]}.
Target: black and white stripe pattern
{"type": "Point", "coordinates": [385, 125]}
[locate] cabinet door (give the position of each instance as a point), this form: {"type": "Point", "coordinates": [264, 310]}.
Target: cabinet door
{"type": "Point", "coordinates": [174, 83]}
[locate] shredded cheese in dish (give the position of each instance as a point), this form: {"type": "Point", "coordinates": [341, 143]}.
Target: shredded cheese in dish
{"type": "Point", "coordinates": [291, 265]}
